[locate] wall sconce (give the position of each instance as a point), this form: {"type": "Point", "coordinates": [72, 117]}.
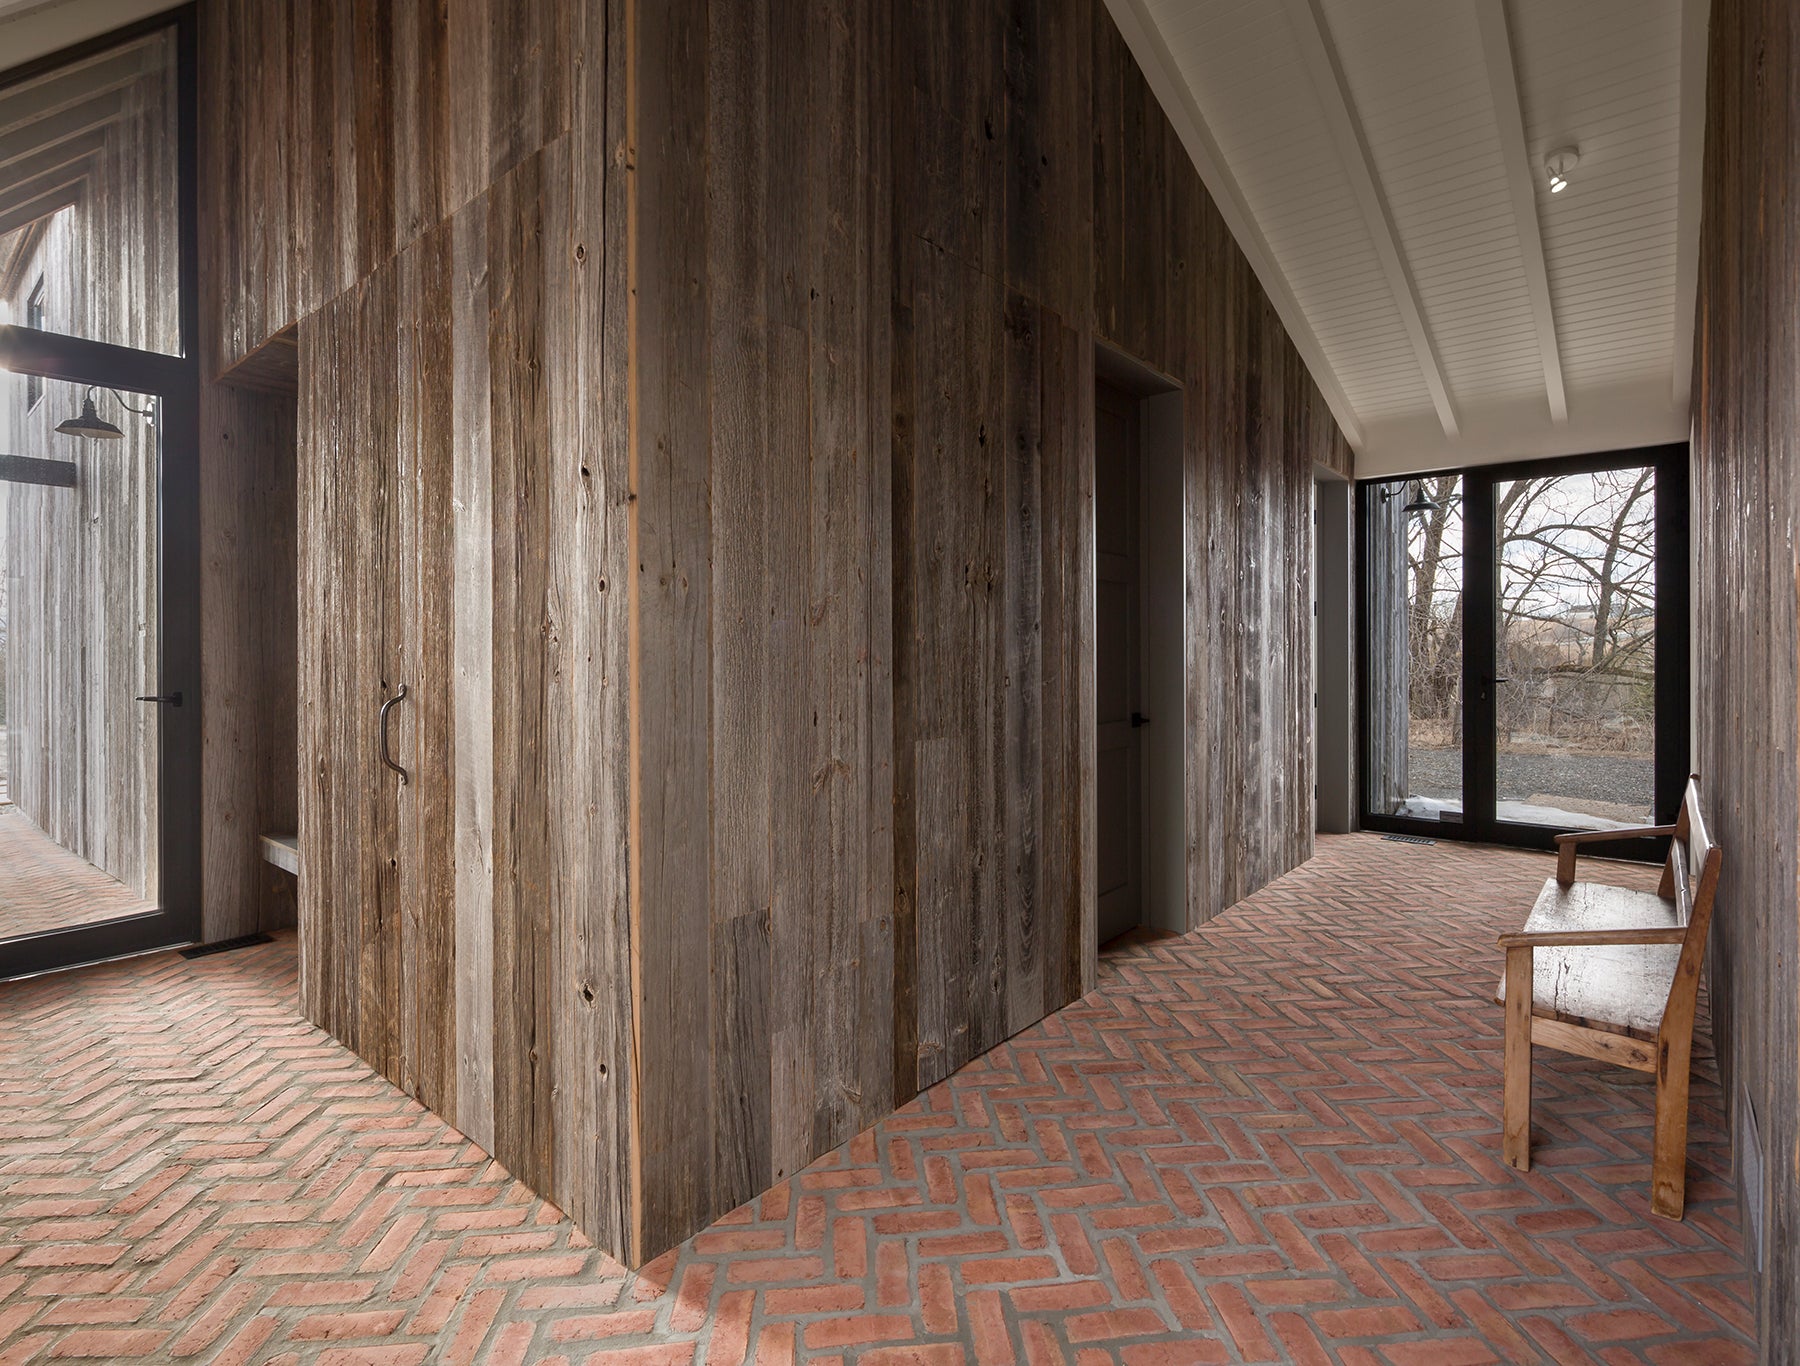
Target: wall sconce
{"type": "Point", "coordinates": [96, 428]}
{"type": "Point", "coordinates": [1418, 503]}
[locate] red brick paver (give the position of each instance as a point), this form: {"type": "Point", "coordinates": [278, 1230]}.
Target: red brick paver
{"type": "Point", "coordinates": [1276, 1140]}
{"type": "Point", "coordinates": [45, 887]}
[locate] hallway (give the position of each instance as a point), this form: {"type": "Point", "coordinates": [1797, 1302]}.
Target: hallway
{"type": "Point", "coordinates": [1275, 1140]}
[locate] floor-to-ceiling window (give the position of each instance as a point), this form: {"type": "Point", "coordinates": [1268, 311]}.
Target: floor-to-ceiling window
{"type": "Point", "coordinates": [1524, 634]}
{"type": "Point", "coordinates": [99, 518]}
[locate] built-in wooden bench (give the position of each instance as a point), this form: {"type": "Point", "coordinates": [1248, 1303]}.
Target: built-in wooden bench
{"type": "Point", "coordinates": [283, 851]}
{"type": "Point", "coordinates": [1613, 974]}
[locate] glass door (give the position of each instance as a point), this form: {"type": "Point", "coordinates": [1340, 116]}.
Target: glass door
{"type": "Point", "coordinates": [1574, 692]}
{"type": "Point", "coordinates": [1524, 647]}
{"type": "Point", "coordinates": [99, 509]}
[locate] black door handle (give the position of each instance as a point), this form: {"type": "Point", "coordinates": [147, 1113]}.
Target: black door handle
{"type": "Point", "coordinates": [173, 698]}
{"type": "Point", "coordinates": [1139, 719]}
{"type": "Point", "coordinates": [386, 757]}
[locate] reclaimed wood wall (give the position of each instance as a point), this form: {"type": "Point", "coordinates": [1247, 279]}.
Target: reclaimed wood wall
{"type": "Point", "coordinates": [1745, 459]}
{"type": "Point", "coordinates": [879, 245]}
{"type": "Point", "coordinates": [250, 775]}
{"type": "Point", "coordinates": [342, 130]}
{"type": "Point", "coordinates": [750, 635]}
{"type": "Point", "coordinates": [462, 499]}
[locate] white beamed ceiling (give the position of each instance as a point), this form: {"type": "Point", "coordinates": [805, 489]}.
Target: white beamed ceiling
{"type": "Point", "coordinates": [1385, 159]}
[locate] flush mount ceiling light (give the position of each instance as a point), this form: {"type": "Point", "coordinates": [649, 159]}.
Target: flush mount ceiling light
{"type": "Point", "coordinates": [1558, 165]}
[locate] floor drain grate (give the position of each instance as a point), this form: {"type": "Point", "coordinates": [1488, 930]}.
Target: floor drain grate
{"type": "Point", "coordinates": [1410, 839]}
{"type": "Point", "coordinates": [243, 941]}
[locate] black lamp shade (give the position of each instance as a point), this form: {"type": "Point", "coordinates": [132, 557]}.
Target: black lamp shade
{"type": "Point", "coordinates": [90, 424]}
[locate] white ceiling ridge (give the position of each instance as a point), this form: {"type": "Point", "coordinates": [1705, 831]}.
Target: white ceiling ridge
{"type": "Point", "coordinates": [1694, 14]}
{"type": "Point", "coordinates": [1172, 92]}
{"type": "Point", "coordinates": [1322, 63]}
{"type": "Point", "coordinates": [1521, 184]}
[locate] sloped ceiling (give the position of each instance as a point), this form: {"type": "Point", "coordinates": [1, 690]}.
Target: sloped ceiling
{"type": "Point", "coordinates": [1383, 164]}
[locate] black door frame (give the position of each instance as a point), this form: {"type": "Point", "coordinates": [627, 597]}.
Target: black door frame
{"type": "Point", "coordinates": [175, 381]}
{"type": "Point", "coordinates": [1479, 774]}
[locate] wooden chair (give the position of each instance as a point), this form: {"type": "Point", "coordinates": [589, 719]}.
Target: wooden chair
{"type": "Point", "coordinates": [1613, 974]}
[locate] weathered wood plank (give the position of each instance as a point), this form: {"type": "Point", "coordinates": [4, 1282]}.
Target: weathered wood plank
{"type": "Point", "coordinates": [1746, 655]}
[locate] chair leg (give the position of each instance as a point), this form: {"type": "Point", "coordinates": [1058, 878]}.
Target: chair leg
{"type": "Point", "coordinates": [1516, 1142]}
{"type": "Point", "coordinates": [1668, 1172]}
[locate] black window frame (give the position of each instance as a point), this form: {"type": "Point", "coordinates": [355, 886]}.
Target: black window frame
{"type": "Point", "coordinates": [174, 380]}
{"type": "Point", "coordinates": [1673, 722]}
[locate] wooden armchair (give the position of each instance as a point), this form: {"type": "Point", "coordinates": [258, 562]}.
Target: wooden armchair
{"type": "Point", "coordinates": [1613, 974]}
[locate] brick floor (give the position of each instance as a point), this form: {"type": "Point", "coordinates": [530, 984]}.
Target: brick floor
{"type": "Point", "coordinates": [1276, 1140]}
{"type": "Point", "coordinates": [45, 887]}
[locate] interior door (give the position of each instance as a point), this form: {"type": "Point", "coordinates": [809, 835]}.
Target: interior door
{"type": "Point", "coordinates": [348, 532]}
{"type": "Point", "coordinates": [1118, 666]}
{"type": "Point", "coordinates": [376, 581]}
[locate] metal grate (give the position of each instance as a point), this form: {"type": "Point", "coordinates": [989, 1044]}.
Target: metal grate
{"type": "Point", "coordinates": [1410, 839]}
{"type": "Point", "coordinates": [243, 941]}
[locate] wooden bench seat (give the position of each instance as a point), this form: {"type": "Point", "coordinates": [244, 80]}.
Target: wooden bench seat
{"type": "Point", "coordinates": [1614, 974]}
{"type": "Point", "coordinates": [1619, 988]}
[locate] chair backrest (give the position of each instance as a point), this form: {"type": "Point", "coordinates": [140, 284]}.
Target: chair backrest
{"type": "Point", "coordinates": [1692, 878]}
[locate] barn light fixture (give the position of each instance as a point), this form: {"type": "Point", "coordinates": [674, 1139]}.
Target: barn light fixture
{"type": "Point", "coordinates": [96, 428]}
{"type": "Point", "coordinates": [1418, 503]}
{"type": "Point", "coordinates": [1558, 165]}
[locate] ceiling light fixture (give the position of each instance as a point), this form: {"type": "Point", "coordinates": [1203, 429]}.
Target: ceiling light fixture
{"type": "Point", "coordinates": [1558, 165]}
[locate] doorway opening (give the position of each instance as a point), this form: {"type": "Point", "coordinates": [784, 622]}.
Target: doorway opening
{"type": "Point", "coordinates": [1140, 665]}
{"type": "Point", "coordinates": [1524, 648]}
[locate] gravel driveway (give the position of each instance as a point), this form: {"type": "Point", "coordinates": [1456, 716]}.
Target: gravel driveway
{"type": "Point", "coordinates": [1609, 778]}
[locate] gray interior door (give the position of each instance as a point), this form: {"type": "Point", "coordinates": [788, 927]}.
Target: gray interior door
{"type": "Point", "coordinates": [1119, 817]}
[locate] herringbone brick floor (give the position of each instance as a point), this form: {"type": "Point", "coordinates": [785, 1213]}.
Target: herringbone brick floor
{"type": "Point", "coordinates": [45, 887]}
{"type": "Point", "coordinates": [1276, 1140]}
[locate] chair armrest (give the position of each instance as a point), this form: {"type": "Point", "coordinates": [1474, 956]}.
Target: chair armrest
{"type": "Point", "coordinates": [1567, 844]}
{"type": "Point", "coordinates": [1648, 934]}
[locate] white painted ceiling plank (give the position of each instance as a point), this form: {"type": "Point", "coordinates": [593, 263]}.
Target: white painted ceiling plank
{"type": "Point", "coordinates": [1177, 101]}
{"type": "Point", "coordinates": [1503, 85]}
{"type": "Point", "coordinates": [1314, 38]}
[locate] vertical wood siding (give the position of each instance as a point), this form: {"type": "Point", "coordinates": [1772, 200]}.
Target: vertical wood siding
{"type": "Point", "coordinates": [1745, 498]}
{"type": "Point", "coordinates": [350, 128]}
{"type": "Point", "coordinates": [877, 249]}
{"type": "Point", "coordinates": [870, 250]}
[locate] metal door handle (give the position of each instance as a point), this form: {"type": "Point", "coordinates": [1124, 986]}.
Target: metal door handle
{"type": "Point", "coordinates": [386, 707]}
{"type": "Point", "coordinates": [1139, 719]}
{"type": "Point", "coordinates": [172, 698]}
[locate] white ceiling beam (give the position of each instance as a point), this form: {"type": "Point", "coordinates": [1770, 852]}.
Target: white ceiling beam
{"type": "Point", "coordinates": [1313, 35]}
{"type": "Point", "coordinates": [41, 188]}
{"type": "Point", "coordinates": [1689, 191]}
{"type": "Point", "coordinates": [70, 123]}
{"type": "Point", "coordinates": [1521, 184]}
{"type": "Point", "coordinates": [42, 207]}
{"type": "Point", "coordinates": [1183, 112]}
{"type": "Point", "coordinates": [52, 158]}
{"type": "Point", "coordinates": [68, 87]}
